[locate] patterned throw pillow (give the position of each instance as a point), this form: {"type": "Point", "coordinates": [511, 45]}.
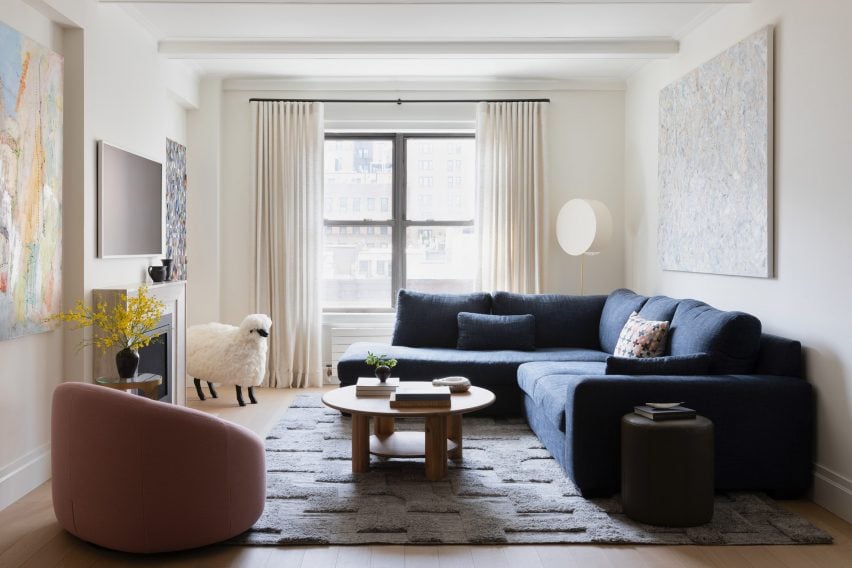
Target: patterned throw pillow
{"type": "Point", "coordinates": [642, 338]}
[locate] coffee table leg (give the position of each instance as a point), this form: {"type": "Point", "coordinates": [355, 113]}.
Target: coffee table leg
{"type": "Point", "coordinates": [360, 443]}
{"type": "Point", "coordinates": [454, 433]}
{"type": "Point", "coordinates": [383, 426]}
{"type": "Point", "coordinates": [436, 448]}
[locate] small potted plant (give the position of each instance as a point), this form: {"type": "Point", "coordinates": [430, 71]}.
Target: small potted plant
{"type": "Point", "coordinates": [382, 365]}
{"type": "Point", "coordinates": [125, 326]}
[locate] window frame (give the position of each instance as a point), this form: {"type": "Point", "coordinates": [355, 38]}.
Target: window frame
{"type": "Point", "coordinates": [398, 222]}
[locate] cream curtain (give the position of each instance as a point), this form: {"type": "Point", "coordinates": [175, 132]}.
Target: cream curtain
{"type": "Point", "coordinates": [510, 152]}
{"type": "Point", "coordinates": [287, 156]}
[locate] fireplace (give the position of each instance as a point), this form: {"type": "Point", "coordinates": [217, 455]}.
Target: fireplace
{"type": "Point", "coordinates": [165, 357]}
{"type": "Point", "coordinates": [156, 358]}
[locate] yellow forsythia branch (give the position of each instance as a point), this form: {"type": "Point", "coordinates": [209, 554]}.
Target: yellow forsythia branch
{"type": "Point", "coordinates": [125, 325]}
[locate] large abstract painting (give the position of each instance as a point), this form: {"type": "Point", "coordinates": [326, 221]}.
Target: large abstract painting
{"type": "Point", "coordinates": [715, 164]}
{"type": "Point", "coordinates": [30, 184]}
{"type": "Point", "coordinates": [176, 208]}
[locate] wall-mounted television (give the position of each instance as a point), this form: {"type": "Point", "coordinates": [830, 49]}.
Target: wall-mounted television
{"type": "Point", "coordinates": [130, 204]}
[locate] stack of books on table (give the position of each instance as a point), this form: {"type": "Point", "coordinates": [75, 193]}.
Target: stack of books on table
{"type": "Point", "coordinates": [659, 414]}
{"type": "Point", "coordinates": [371, 386]}
{"type": "Point", "coordinates": [418, 397]}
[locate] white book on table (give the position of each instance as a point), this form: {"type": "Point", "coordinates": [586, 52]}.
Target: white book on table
{"type": "Point", "coordinates": [372, 383]}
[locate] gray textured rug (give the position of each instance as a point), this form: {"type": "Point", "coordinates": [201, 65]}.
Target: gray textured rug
{"type": "Point", "coordinates": [507, 489]}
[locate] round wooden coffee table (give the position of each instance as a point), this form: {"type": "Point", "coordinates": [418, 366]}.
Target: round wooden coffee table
{"type": "Point", "coordinates": [442, 439]}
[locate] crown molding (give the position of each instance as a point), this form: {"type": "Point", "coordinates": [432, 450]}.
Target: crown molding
{"type": "Point", "coordinates": [419, 84]}
{"type": "Point", "coordinates": [633, 48]}
{"type": "Point", "coordinates": [423, 2]}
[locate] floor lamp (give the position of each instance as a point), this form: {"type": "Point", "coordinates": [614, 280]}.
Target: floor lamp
{"type": "Point", "coordinates": [583, 227]}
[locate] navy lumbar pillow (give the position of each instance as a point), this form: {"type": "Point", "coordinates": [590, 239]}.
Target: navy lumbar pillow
{"type": "Point", "coordinates": [429, 320]}
{"type": "Point", "coordinates": [482, 332]}
{"type": "Point", "coordinates": [694, 364]}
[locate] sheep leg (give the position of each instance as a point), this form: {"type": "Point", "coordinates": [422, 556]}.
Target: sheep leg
{"type": "Point", "coordinates": [213, 392]}
{"type": "Point", "coordinates": [198, 388]}
{"type": "Point", "coordinates": [251, 395]}
{"type": "Point", "coordinates": [240, 396]}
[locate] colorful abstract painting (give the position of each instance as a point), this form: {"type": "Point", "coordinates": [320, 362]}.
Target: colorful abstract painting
{"type": "Point", "coordinates": [30, 184]}
{"type": "Point", "coordinates": [176, 208]}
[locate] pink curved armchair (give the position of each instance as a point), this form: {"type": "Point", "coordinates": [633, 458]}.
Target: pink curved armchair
{"type": "Point", "coordinates": [136, 475]}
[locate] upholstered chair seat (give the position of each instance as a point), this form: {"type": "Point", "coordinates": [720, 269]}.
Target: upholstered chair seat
{"type": "Point", "coordinates": [137, 475]}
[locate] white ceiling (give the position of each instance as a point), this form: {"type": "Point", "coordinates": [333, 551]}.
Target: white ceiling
{"type": "Point", "coordinates": [472, 39]}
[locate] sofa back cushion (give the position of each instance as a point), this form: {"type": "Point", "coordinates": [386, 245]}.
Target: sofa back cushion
{"type": "Point", "coordinates": [732, 339]}
{"type": "Point", "coordinates": [617, 309]}
{"type": "Point", "coordinates": [431, 320]}
{"type": "Point", "coordinates": [661, 308]}
{"type": "Point", "coordinates": [560, 321]}
{"type": "Point", "coordinates": [483, 332]}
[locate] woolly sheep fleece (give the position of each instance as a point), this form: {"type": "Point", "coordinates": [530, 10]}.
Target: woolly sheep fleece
{"type": "Point", "coordinates": [226, 354]}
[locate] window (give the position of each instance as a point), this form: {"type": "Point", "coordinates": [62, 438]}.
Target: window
{"type": "Point", "coordinates": [386, 229]}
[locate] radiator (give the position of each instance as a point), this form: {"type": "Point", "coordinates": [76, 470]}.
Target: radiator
{"type": "Point", "coordinates": [344, 336]}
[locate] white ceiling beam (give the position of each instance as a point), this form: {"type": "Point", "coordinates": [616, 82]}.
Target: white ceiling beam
{"type": "Point", "coordinates": [410, 2]}
{"type": "Point", "coordinates": [357, 49]}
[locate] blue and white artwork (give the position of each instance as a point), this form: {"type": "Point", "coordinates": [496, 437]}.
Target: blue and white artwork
{"type": "Point", "coordinates": [715, 164]}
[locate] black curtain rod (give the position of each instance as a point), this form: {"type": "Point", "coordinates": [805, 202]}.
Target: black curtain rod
{"type": "Point", "coordinates": [402, 101]}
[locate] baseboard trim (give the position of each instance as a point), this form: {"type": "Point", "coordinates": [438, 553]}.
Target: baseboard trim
{"type": "Point", "coordinates": [833, 491]}
{"type": "Point", "coordinates": [24, 474]}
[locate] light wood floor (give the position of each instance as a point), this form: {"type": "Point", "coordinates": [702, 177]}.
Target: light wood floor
{"type": "Point", "coordinates": [30, 535]}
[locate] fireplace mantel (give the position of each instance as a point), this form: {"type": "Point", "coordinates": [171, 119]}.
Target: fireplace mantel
{"type": "Point", "coordinates": [173, 295]}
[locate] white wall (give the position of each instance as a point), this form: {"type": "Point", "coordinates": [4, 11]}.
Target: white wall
{"type": "Point", "coordinates": [116, 89]}
{"type": "Point", "coordinates": [585, 160]}
{"type": "Point", "coordinates": [202, 213]}
{"type": "Point", "coordinates": [808, 299]}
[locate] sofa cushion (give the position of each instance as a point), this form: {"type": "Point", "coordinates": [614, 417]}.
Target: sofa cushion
{"type": "Point", "coordinates": [642, 338]}
{"type": "Point", "coordinates": [546, 384]}
{"type": "Point", "coordinates": [490, 332]}
{"type": "Point", "coordinates": [732, 339]}
{"type": "Point", "coordinates": [560, 321]}
{"type": "Point", "coordinates": [661, 308]}
{"type": "Point", "coordinates": [430, 320]}
{"type": "Point", "coordinates": [618, 307]}
{"type": "Point", "coordinates": [697, 364]}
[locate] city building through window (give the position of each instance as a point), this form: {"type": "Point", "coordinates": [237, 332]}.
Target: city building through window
{"type": "Point", "coordinates": [414, 231]}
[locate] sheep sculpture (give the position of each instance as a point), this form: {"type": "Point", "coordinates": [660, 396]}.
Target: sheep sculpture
{"type": "Point", "coordinates": [229, 355]}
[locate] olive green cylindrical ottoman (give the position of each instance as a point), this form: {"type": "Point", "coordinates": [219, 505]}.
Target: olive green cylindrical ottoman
{"type": "Point", "coordinates": [667, 470]}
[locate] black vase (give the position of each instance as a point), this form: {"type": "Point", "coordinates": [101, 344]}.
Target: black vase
{"type": "Point", "coordinates": [127, 362]}
{"type": "Point", "coordinates": [382, 373]}
{"type": "Point", "coordinates": [167, 264]}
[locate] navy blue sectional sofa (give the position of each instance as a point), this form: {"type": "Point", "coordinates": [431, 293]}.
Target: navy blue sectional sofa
{"type": "Point", "coordinates": [573, 393]}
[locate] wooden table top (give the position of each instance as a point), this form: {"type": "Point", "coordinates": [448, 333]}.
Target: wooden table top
{"type": "Point", "coordinates": [344, 399]}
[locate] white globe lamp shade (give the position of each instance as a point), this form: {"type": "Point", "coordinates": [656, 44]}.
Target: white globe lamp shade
{"type": "Point", "coordinates": [584, 226]}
